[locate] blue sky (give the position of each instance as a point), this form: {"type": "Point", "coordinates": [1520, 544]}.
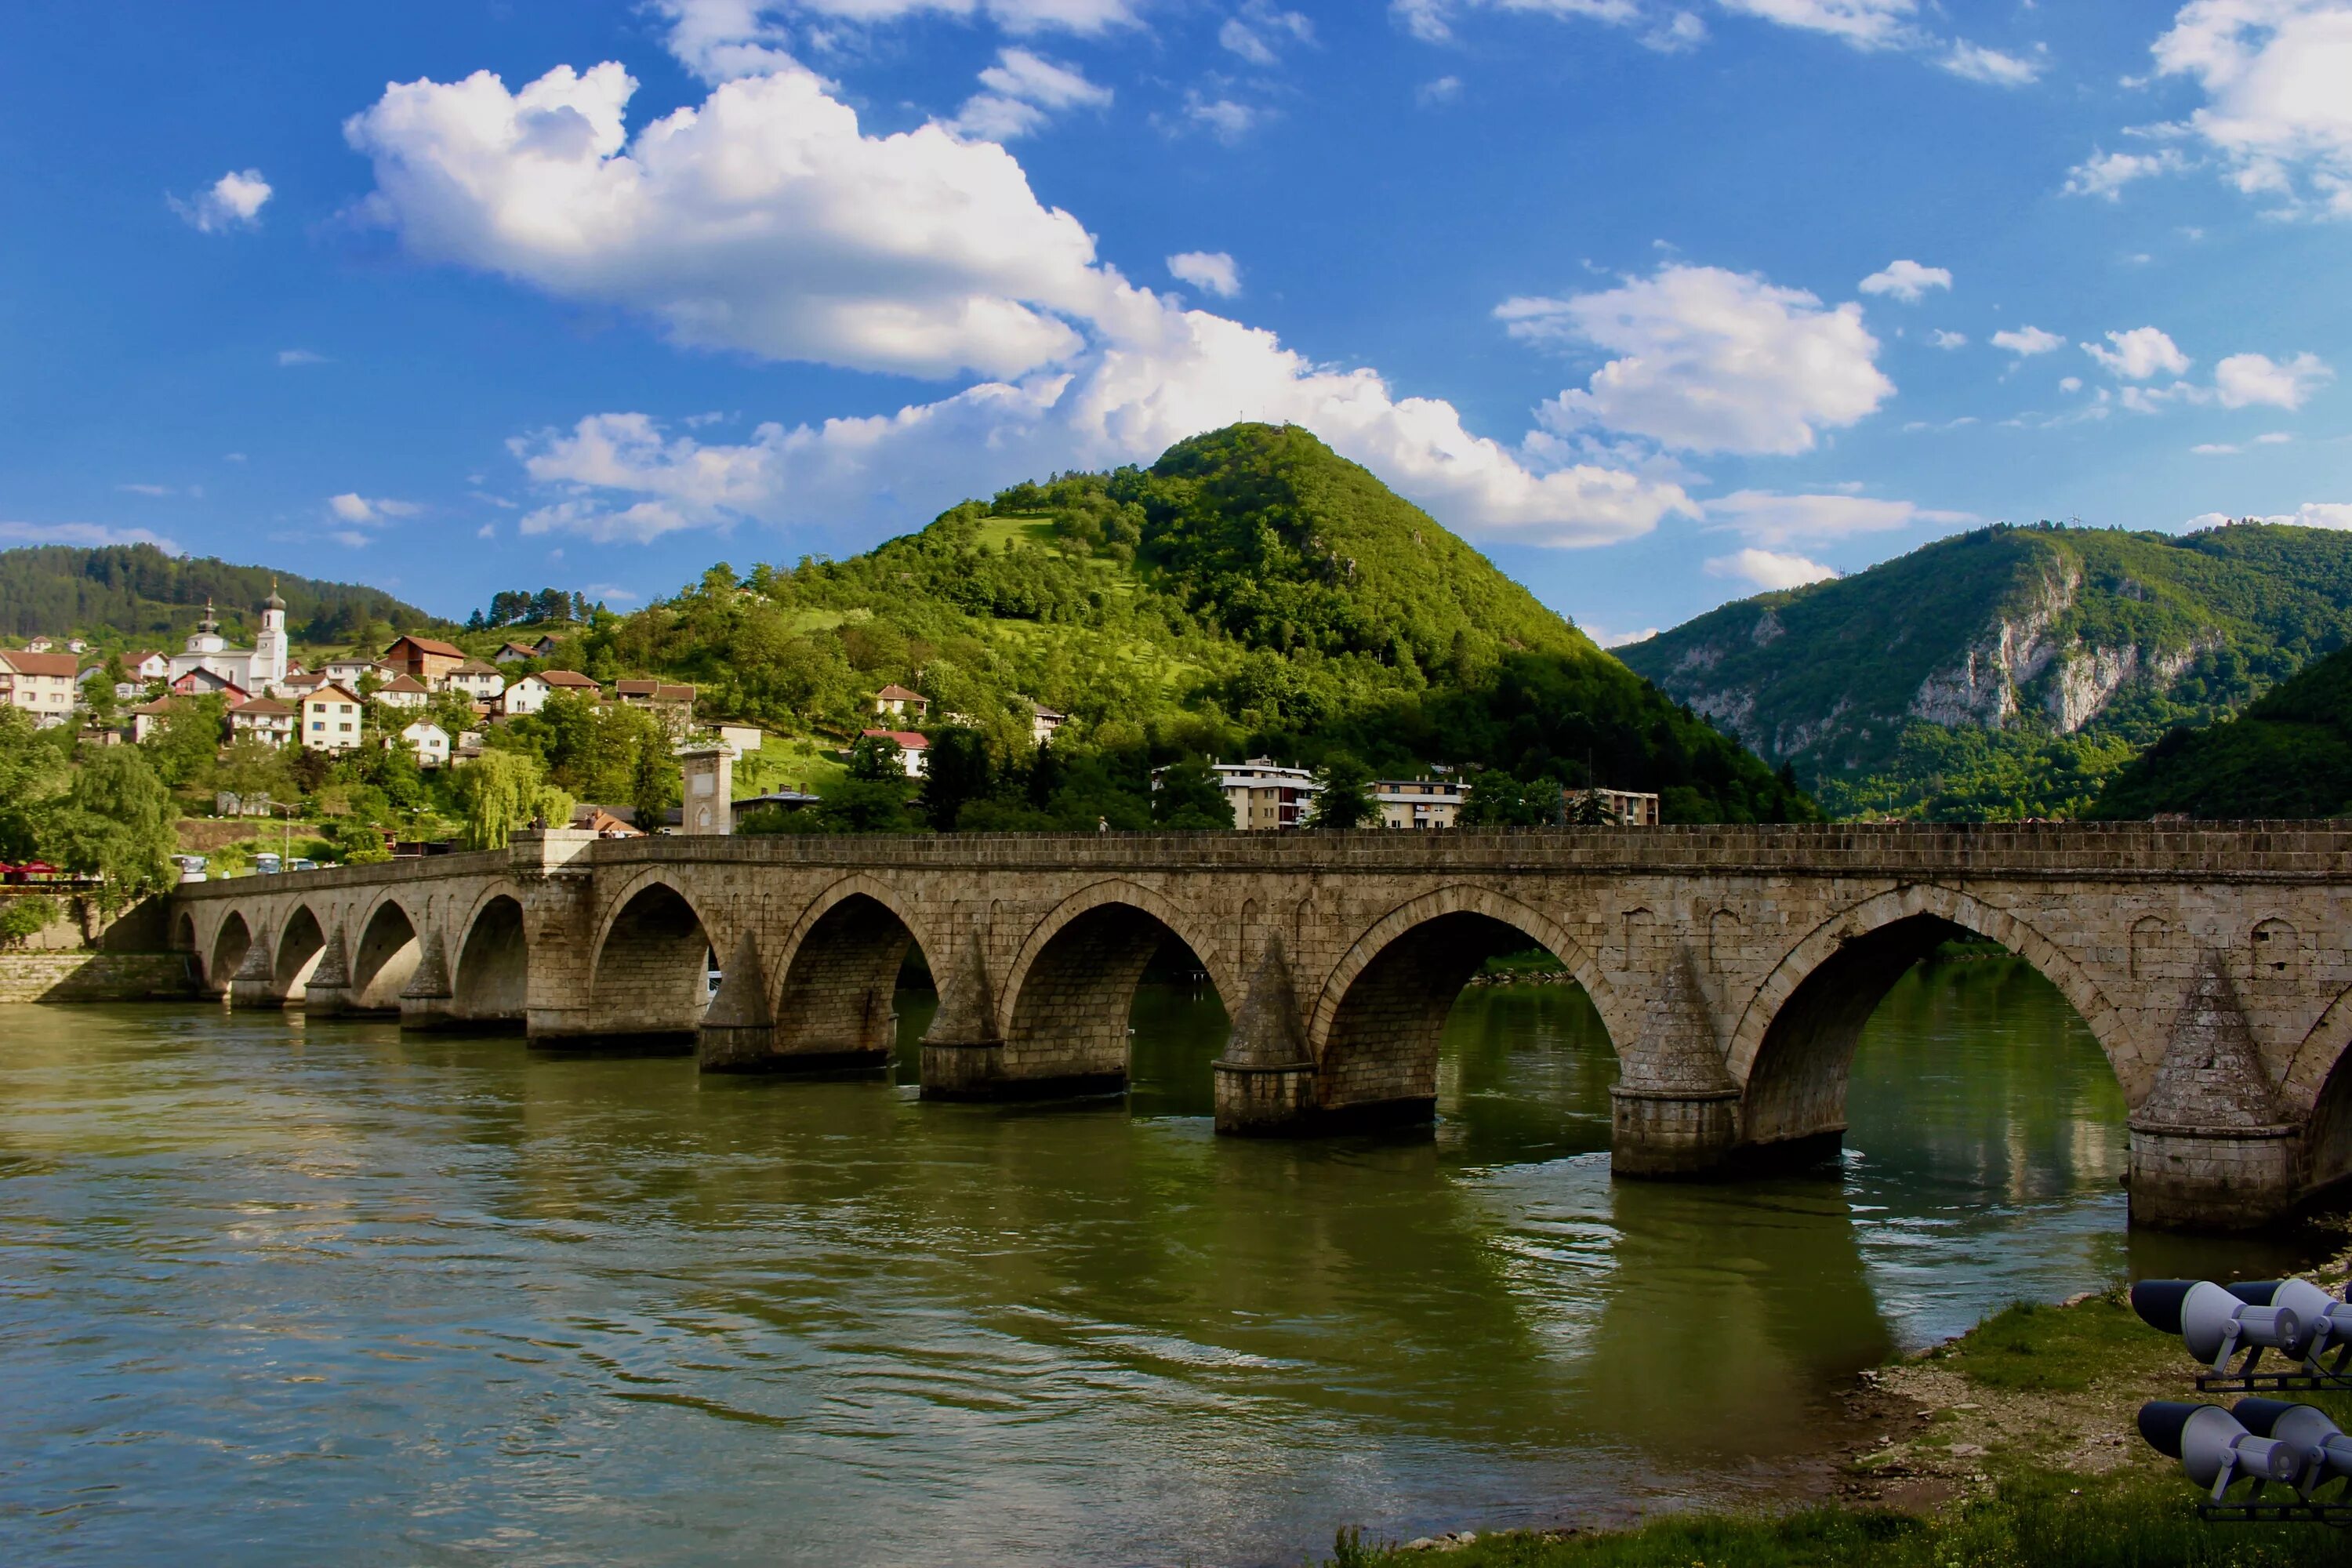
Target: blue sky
{"type": "Point", "coordinates": [1658, 303]}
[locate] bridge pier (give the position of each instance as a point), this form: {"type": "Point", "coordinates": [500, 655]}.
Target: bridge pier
{"type": "Point", "coordinates": [329, 992]}
{"type": "Point", "coordinates": [2208, 1149]}
{"type": "Point", "coordinates": [426, 1002]}
{"type": "Point", "coordinates": [1674, 1112]}
{"type": "Point", "coordinates": [1266, 1081]}
{"type": "Point", "coordinates": [255, 983]}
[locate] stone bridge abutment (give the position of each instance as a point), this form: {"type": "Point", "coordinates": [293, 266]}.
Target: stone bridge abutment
{"type": "Point", "coordinates": [1733, 967]}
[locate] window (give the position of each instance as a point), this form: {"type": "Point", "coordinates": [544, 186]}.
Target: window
{"type": "Point", "coordinates": [318, 725]}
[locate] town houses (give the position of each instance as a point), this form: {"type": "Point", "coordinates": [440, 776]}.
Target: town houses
{"type": "Point", "coordinates": [410, 694]}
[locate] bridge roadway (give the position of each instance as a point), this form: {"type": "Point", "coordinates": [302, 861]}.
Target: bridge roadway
{"type": "Point", "coordinates": [1733, 967]}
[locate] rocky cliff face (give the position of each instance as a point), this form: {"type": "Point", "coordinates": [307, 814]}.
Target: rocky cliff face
{"type": "Point", "coordinates": [2013, 632]}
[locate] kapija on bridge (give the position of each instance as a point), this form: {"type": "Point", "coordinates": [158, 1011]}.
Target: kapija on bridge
{"type": "Point", "coordinates": [1733, 967]}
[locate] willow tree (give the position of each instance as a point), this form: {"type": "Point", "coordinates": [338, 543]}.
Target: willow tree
{"type": "Point", "coordinates": [501, 791]}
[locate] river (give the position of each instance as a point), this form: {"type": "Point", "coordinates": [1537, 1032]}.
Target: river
{"type": "Point", "coordinates": [275, 1291]}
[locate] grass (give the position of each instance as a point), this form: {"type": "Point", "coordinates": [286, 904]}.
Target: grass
{"type": "Point", "coordinates": [2132, 1519]}
{"type": "Point", "coordinates": [2057, 1349]}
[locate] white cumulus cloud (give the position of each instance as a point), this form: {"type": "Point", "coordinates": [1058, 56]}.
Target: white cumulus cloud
{"type": "Point", "coordinates": [1023, 90]}
{"type": "Point", "coordinates": [2310, 514]}
{"type": "Point", "coordinates": [233, 201]}
{"type": "Point", "coordinates": [2277, 111]}
{"type": "Point", "coordinates": [762, 220]}
{"type": "Point", "coordinates": [353, 508]}
{"type": "Point", "coordinates": [1709, 361]}
{"type": "Point", "coordinates": [1978, 63]}
{"type": "Point", "coordinates": [1907, 280]}
{"type": "Point", "coordinates": [2243, 381]}
{"type": "Point", "coordinates": [1769, 569]}
{"type": "Point", "coordinates": [765, 220]}
{"type": "Point", "coordinates": [2027, 341]}
{"type": "Point", "coordinates": [1211, 271]}
{"type": "Point", "coordinates": [1941, 338]}
{"type": "Point", "coordinates": [2139, 353]}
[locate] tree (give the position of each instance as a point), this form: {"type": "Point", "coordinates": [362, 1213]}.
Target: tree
{"type": "Point", "coordinates": [875, 759]}
{"type": "Point", "coordinates": [854, 805]}
{"type": "Point", "coordinates": [653, 785]}
{"type": "Point", "coordinates": [358, 841]}
{"type": "Point", "coordinates": [957, 773]}
{"type": "Point", "coordinates": [500, 792]}
{"type": "Point", "coordinates": [184, 748]}
{"type": "Point", "coordinates": [1589, 808]}
{"type": "Point", "coordinates": [1346, 800]}
{"type": "Point", "coordinates": [32, 777]}
{"type": "Point", "coordinates": [1496, 799]}
{"type": "Point", "coordinates": [1188, 798]}
{"type": "Point", "coordinates": [119, 823]}
{"type": "Point", "coordinates": [252, 767]}
{"type": "Point", "coordinates": [22, 919]}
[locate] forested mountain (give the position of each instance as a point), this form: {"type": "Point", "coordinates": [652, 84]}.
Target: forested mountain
{"type": "Point", "coordinates": [2010, 671]}
{"type": "Point", "coordinates": [1252, 590]}
{"type": "Point", "coordinates": [2288, 754]}
{"type": "Point", "coordinates": [141, 595]}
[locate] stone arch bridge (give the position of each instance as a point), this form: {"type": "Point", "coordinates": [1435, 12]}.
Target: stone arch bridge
{"type": "Point", "coordinates": [1733, 967]}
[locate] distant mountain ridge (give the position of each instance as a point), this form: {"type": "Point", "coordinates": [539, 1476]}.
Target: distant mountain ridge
{"type": "Point", "coordinates": [142, 594]}
{"type": "Point", "coordinates": [2008, 670]}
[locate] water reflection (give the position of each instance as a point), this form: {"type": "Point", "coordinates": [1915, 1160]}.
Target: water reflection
{"type": "Point", "coordinates": [265, 1282]}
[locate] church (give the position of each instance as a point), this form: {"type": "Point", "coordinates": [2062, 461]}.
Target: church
{"type": "Point", "coordinates": [257, 670]}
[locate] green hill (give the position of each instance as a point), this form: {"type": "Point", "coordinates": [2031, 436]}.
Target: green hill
{"type": "Point", "coordinates": [2288, 754]}
{"type": "Point", "coordinates": [2010, 671]}
{"type": "Point", "coordinates": [1250, 591]}
{"type": "Point", "coordinates": [136, 594]}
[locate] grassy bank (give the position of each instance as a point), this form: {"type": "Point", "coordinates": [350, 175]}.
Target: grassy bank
{"type": "Point", "coordinates": [2010, 1445]}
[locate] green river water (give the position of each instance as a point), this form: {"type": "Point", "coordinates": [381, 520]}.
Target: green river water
{"type": "Point", "coordinates": [274, 1291]}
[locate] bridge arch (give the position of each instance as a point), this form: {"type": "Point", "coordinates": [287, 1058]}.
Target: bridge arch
{"type": "Point", "coordinates": [648, 977]}
{"type": "Point", "coordinates": [1794, 1043]}
{"type": "Point", "coordinates": [301, 940]}
{"type": "Point", "coordinates": [383, 957]}
{"type": "Point", "coordinates": [836, 976]}
{"type": "Point", "coordinates": [230, 943]}
{"type": "Point", "coordinates": [1070, 988]}
{"type": "Point", "coordinates": [1376, 1025]}
{"type": "Point", "coordinates": [489, 976]}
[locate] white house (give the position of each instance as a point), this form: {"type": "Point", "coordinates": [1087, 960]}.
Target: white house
{"type": "Point", "coordinates": [143, 667]}
{"type": "Point", "coordinates": [328, 719]}
{"type": "Point", "coordinates": [899, 702]}
{"type": "Point", "coordinates": [42, 684]}
{"type": "Point", "coordinates": [429, 742]}
{"type": "Point", "coordinates": [1042, 723]}
{"type": "Point", "coordinates": [1418, 804]}
{"type": "Point", "coordinates": [403, 692]}
{"type": "Point", "coordinates": [351, 668]}
{"type": "Point", "coordinates": [513, 653]}
{"type": "Point", "coordinates": [148, 717]}
{"type": "Point", "coordinates": [1266, 796]}
{"type": "Point", "coordinates": [266, 719]}
{"type": "Point", "coordinates": [477, 680]}
{"type": "Point", "coordinates": [530, 694]}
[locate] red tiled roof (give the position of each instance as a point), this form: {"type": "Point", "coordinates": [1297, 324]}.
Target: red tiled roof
{"type": "Point", "coordinates": [65, 664]}
{"type": "Point", "coordinates": [907, 740]}
{"type": "Point", "coordinates": [427, 645]}
{"type": "Point", "coordinates": [895, 693]}
{"type": "Point", "coordinates": [403, 684]}
{"type": "Point", "coordinates": [263, 708]}
{"type": "Point", "coordinates": [571, 678]}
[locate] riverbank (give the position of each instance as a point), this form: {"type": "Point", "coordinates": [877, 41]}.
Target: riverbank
{"type": "Point", "coordinates": [2014, 1444]}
